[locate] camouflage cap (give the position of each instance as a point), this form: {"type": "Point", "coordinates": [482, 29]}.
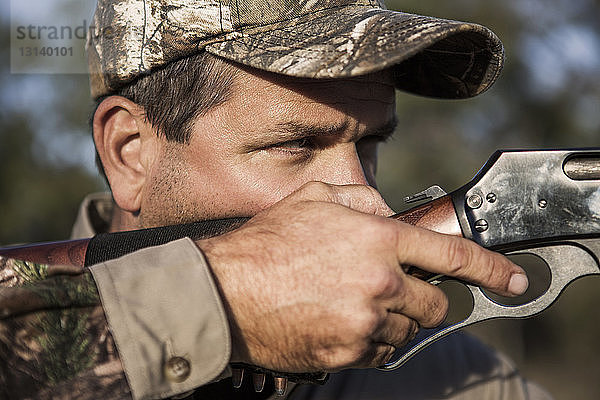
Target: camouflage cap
{"type": "Point", "coordinates": [303, 38]}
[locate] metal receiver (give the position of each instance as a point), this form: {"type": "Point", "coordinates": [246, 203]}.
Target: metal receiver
{"type": "Point", "coordinates": [545, 203]}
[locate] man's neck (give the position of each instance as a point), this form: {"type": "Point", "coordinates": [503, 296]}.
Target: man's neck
{"type": "Point", "coordinates": [122, 221]}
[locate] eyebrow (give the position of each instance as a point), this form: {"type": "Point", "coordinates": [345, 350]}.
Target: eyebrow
{"type": "Point", "coordinates": [386, 130]}
{"type": "Point", "coordinates": [292, 130]}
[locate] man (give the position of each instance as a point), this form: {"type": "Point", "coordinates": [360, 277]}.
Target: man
{"type": "Point", "coordinates": [271, 110]}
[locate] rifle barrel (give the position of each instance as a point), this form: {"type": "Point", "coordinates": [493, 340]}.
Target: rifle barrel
{"type": "Point", "coordinates": [583, 168]}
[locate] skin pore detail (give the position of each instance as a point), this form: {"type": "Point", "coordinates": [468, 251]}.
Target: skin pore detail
{"type": "Point", "coordinates": [272, 136]}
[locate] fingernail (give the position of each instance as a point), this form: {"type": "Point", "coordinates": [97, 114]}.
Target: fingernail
{"type": "Point", "coordinates": [518, 284]}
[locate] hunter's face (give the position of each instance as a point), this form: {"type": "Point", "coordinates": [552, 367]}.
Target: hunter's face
{"type": "Point", "coordinates": [273, 135]}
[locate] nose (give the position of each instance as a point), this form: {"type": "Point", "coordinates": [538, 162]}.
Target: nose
{"type": "Point", "coordinates": [342, 166]}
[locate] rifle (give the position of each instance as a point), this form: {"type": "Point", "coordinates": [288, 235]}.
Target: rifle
{"type": "Point", "coordinates": [542, 202]}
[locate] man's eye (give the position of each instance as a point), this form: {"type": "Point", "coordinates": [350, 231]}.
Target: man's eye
{"type": "Point", "coordinates": [298, 144]}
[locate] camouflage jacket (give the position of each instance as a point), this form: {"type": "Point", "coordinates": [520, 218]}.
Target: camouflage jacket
{"type": "Point", "coordinates": [55, 341]}
{"type": "Point", "coordinates": [54, 338]}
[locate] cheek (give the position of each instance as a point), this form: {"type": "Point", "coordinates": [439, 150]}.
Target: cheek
{"type": "Point", "coordinates": [367, 153]}
{"type": "Point", "coordinates": [167, 196]}
{"type": "Point", "coordinates": [180, 192]}
{"type": "Point", "coordinates": [252, 187]}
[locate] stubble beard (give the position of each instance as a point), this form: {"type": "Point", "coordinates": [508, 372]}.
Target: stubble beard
{"type": "Point", "coordinates": [168, 201]}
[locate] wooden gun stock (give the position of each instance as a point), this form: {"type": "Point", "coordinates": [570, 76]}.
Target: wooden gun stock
{"type": "Point", "coordinates": [68, 252]}
{"type": "Point", "coordinates": [437, 215]}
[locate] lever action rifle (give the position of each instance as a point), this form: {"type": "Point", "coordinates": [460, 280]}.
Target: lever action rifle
{"type": "Point", "coordinates": [545, 203]}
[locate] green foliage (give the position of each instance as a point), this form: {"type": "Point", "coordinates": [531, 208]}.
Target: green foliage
{"type": "Point", "coordinates": [81, 291]}
{"type": "Point", "coordinates": [30, 272]}
{"type": "Point", "coordinates": [66, 347]}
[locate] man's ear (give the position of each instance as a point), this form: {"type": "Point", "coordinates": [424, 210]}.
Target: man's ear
{"type": "Point", "coordinates": [127, 145]}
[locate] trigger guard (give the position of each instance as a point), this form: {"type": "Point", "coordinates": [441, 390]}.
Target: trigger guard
{"type": "Point", "coordinates": [563, 271]}
{"type": "Point", "coordinates": [430, 339]}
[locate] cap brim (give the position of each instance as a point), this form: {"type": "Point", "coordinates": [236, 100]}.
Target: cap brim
{"type": "Point", "coordinates": [431, 57]}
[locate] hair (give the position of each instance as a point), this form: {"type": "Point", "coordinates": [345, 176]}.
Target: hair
{"type": "Point", "coordinates": [175, 95]}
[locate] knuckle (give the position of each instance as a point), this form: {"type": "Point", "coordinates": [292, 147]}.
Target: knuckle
{"type": "Point", "coordinates": [388, 231]}
{"type": "Point", "coordinates": [411, 332]}
{"type": "Point", "coordinates": [438, 310]}
{"type": "Point", "coordinates": [316, 189]}
{"type": "Point", "coordinates": [383, 357]}
{"type": "Point", "coordinates": [342, 356]}
{"type": "Point", "coordinates": [374, 195]}
{"type": "Point", "coordinates": [459, 256]}
{"type": "Point", "coordinates": [382, 283]}
{"type": "Point", "coordinates": [492, 270]}
{"type": "Point", "coordinates": [327, 359]}
{"type": "Point", "coordinates": [363, 325]}
{"type": "Point", "coordinates": [381, 231]}
{"type": "Point", "coordinates": [498, 273]}
{"type": "Point", "coordinates": [355, 354]}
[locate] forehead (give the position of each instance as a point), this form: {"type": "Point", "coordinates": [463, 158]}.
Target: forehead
{"type": "Point", "coordinates": [378, 85]}
{"type": "Point", "coordinates": [263, 106]}
{"type": "Point", "coordinates": [275, 95]}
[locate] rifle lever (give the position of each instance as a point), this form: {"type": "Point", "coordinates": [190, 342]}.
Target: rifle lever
{"type": "Point", "coordinates": [567, 261]}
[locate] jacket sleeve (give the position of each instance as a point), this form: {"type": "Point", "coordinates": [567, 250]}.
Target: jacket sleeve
{"type": "Point", "coordinates": [147, 325]}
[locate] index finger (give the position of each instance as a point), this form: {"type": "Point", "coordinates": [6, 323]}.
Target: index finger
{"type": "Point", "coordinates": [459, 258]}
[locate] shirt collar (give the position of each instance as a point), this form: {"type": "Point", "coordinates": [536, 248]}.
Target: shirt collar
{"type": "Point", "coordinates": [94, 216]}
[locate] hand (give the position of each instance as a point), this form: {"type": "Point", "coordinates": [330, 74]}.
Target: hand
{"type": "Point", "coordinates": [315, 283]}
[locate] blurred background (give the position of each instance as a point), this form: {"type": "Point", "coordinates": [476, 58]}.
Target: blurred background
{"type": "Point", "coordinates": [548, 96]}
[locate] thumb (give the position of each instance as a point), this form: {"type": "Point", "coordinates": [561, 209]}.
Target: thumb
{"type": "Point", "coordinates": [362, 198]}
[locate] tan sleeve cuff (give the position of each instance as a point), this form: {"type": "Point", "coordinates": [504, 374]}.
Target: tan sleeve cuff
{"type": "Point", "coordinates": [167, 319]}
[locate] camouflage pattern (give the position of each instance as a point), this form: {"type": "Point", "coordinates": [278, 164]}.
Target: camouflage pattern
{"type": "Point", "coordinates": [54, 338]}
{"type": "Point", "coordinates": [303, 38]}
{"type": "Point", "coordinates": [55, 342]}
